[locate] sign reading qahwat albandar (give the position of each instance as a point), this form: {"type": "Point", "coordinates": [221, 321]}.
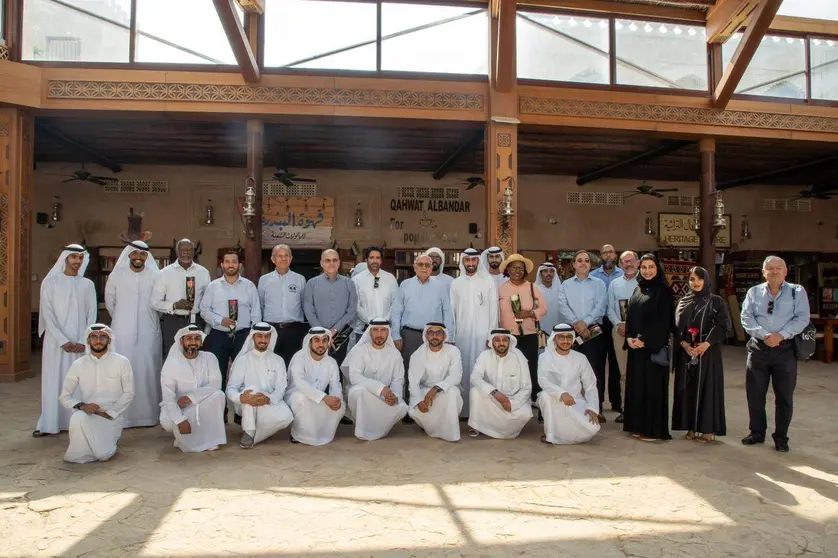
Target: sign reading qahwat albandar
{"type": "Point", "coordinates": [675, 229]}
{"type": "Point", "coordinates": [297, 221]}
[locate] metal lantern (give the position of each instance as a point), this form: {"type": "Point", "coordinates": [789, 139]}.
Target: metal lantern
{"type": "Point", "coordinates": [720, 212]}
{"type": "Point", "coordinates": [249, 209]}
{"type": "Point", "coordinates": [359, 216]}
{"type": "Point", "coordinates": [696, 224]}
{"type": "Point", "coordinates": [508, 210]}
{"type": "Point", "coordinates": [56, 210]}
{"type": "Point", "coordinates": [209, 219]}
{"type": "Point", "coordinates": [745, 231]}
{"type": "Point", "coordinates": [649, 225]}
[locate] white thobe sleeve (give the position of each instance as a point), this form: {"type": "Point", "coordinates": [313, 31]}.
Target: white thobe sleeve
{"type": "Point", "coordinates": [168, 383]}
{"type": "Point", "coordinates": [478, 375]}
{"type": "Point", "coordinates": [158, 296]}
{"type": "Point", "coordinates": [397, 384]}
{"type": "Point", "coordinates": [415, 373]}
{"type": "Point", "coordinates": [110, 294]}
{"type": "Point", "coordinates": [92, 306]}
{"type": "Point", "coordinates": [588, 379]}
{"type": "Point", "coordinates": [235, 383]}
{"type": "Point", "coordinates": [545, 379]}
{"type": "Point", "coordinates": [335, 389]}
{"type": "Point", "coordinates": [48, 313]}
{"type": "Point", "coordinates": [126, 377]}
{"type": "Point", "coordinates": [522, 396]}
{"type": "Point", "coordinates": [71, 382]}
{"type": "Point", "coordinates": [455, 371]}
{"type": "Point", "coordinates": [455, 303]}
{"type": "Point", "coordinates": [213, 381]}
{"type": "Point", "coordinates": [357, 378]}
{"type": "Point", "coordinates": [298, 371]}
{"type": "Point", "coordinates": [493, 307]}
{"type": "Point", "coordinates": [280, 383]}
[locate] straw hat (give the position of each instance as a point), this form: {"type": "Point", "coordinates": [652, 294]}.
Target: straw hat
{"type": "Point", "coordinates": [517, 258]}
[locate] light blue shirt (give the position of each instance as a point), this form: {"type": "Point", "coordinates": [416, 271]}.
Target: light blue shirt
{"type": "Point", "coordinates": [551, 294]}
{"type": "Point", "coordinates": [282, 297]}
{"type": "Point", "coordinates": [600, 274]}
{"type": "Point", "coordinates": [215, 305]}
{"type": "Point", "coordinates": [417, 303]}
{"type": "Point", "coordinates": [620, 289]}
{"type": "Point", "coordinates": [583, 300]}
{"type": "Point", "coordinates": [789, 317]}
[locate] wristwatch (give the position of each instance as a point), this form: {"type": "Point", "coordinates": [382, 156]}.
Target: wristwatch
{"type": "Point", "coordinates": [78, 406]}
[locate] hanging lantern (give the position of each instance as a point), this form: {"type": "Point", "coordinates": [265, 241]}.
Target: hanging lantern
{"type": "Point", "coordinates": [359, 216]}
{"type": "Point", "coordinates": [56, 210]}
{"type": "Point", "coordinates": [249, 209]}
{"type": "Point", "coordinates": [720, 212]}
{"type": "Point", "coordinates": [745, 231]}
{"type": "Point", "coordinates": [650, 230]}
{"type": "Point", "coordinates": [696, 224]}
{"type": "Point", "coordinates": [508, 210]}
{"type": "Point", "coordinates": [209, 219]}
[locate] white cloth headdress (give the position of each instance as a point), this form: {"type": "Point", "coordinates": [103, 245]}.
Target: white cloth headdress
{"type": "Point", "coordinates": [513, 343]}
{"type": "Point", "coordinates": [58, 269]}
{"type": "Point", "coordinates": [359, 269]}
{"type": "Point", "coordinates": [484, 257]}
{"type": "Point", "coordinates": [260, 327]}
{"type": "Point", "coordinates": [545, 265]}
{"type": "Point", "coordinates": [98, 328]}
{"type": "Point", "coordinates": [366, 339]}
{"type": "Point", "coordinates": [124, 260]}
{"type": "Point", "coordinates": [177, 346]}
{"type": "Point", "coordinates": [436, 251]}
{"type": "Point", "coordinates": [471, 252]}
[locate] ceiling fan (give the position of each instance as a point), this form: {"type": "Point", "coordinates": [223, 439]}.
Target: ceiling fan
{"type": "Point", "coordinates": [646, 190]}
{"type": "Point", "coordinates": [82, 175]}
{"type": "Point", "coordinates": [473, 182]}
{"type": "Point", "coordinates": [811, 194]}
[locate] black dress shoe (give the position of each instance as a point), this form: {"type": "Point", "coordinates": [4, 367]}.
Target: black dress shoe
{"type": "Point", "coordinates": [407, 420]}
{"type": "Point", "coordinates": [781, 445]}
{"type": "Point", "coordinates": [346, 420]}
{"type": "Point", "coordinates": [751, 440]}
{"type": "Point", "coordinates": [237, 419]}
{"type": "Point", "coordinates": [620, 419]}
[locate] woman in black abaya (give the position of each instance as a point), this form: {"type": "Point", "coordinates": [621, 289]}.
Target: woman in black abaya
{"type": "Point", "coordinates": [649, 322]}
{"type": "Point", "coordinates": [702, 323]}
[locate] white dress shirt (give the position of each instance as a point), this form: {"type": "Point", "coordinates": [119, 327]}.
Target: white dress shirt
{"type": "Point", "coordinates": [374, 302]}
{"type": "Point", "coordinates": [170, 287]}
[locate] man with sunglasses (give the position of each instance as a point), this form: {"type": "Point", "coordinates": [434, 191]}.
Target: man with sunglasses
{"type": "Point", "coordinates": [773, 313]}
{"type": "Point", "coordinates": [376, 291]}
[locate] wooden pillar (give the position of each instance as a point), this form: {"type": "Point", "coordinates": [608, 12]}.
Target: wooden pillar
{"type": "Point", "coordinates": [16, 157]}
{"type": "Point", "coordinates": [253, 243]}
{"type": "Point", "coordinates": [707, 202]}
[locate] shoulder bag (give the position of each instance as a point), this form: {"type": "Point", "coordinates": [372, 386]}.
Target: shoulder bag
{"type": "Point", "coordinates": [805, 341]}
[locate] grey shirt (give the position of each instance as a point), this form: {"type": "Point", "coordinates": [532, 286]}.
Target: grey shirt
{"type": "Point", "coordinates": [330, 304]}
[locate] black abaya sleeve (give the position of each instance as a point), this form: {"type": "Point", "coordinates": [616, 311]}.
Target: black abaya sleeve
{"type": "Point", "coordinates": [722, 327]}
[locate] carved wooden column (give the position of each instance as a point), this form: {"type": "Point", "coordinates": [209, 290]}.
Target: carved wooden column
{"type": "Point", "coordinates": [253, 243]}
{"type": "Point", "coordinates": [707, 203]}
{"type": "Point", "coordinates": [16, 156]}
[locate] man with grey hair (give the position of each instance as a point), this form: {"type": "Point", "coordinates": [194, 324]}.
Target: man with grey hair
{"type": "Point", "coordinates": [619, 293]}
{"type": "Point", "coordinates": [281, 294]}
{"type": "Point", "coordinates": [178, 291]}
{"type": "Point", "coordinates": [330, 300]}
{"type": "Point", "coordinates": [773, 313]}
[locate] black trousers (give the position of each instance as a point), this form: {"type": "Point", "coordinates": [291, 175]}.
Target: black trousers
{"type": "Point", "coordinates": [779, 365]}
{"type": "Point", "coordinates": [411, 340]}
{"type": "Point", "coordinates": [289, 340]}
{"type": "Point", "coordinates": [225, 349]}
{"type": "Point", "coordinates": [170, 324]}
{"type": "Point", "coordinates": [614, 389]}
{"type": "Point", "coordinates": [528, 344]}
{"type": "Point", "coordinates": [596, 352]}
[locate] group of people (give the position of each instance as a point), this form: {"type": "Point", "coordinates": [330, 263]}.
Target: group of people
{"type": "Point", "coordinates": [486, 347]}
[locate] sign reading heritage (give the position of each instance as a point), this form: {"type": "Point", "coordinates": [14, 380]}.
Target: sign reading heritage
{"type": "Point", "coordinates": [675, 230]}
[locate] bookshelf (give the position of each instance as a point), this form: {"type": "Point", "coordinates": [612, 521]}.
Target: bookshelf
{"type": "Point", "coordinates": [404, 259]}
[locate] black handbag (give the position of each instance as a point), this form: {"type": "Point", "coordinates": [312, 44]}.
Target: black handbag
{"type": "Point", "coordinates": [662, 357]}
{"type": "Point", "coordinates": [804, 342]}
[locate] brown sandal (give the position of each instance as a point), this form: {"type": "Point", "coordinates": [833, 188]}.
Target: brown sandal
{"type": "Point", "coordinates": [690, 436]}
{"type": "Point", "coordinates": [703, 440]}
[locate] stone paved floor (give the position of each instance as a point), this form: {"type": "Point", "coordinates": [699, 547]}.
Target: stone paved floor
{"type": "Point", "coordinates": [409, 495]}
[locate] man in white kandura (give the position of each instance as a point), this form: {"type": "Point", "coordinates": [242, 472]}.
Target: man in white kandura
{"type": "Point", "coordinates": [376, 380]}
{"type": "Point", "coordinates": [68, 306]}
{"type": "Point", "coordinates": [551, 289]}
{"type": "Point", "coordinates": [490, 260]}
{"type": "Point", "coordinates": [136, 326]}
{"type": "Point", "coordinates": [568, 399]}
{"type": "Point", "coordinates": [193, 402]}
{"type": "Point", "coordinates": [474, 304]}
{"type": "Point", "coordinates": [438, 267]}
{"type": "Point", "coordinates": [257, 386]}
{"type": "Point", "coordinates": [314, 391]}
{"type": "Point", "coordinates": [434, 384]}
{"type": "Point", "coordinates": [98, 389]}
{"type": "Point", "coordinates": [500, 389]}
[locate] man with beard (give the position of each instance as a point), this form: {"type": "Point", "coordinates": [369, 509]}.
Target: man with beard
{"type": "Point", "coordinates": [500, 389]}
{"type": "Point", "coordinates": [192, 398]}
{"type": "Point", "coordinates": [257, 387]}
{"type": "Point", "coordinates": [568, 397]}
{"type": "Point", "coordinates": [178, 292]}
{"type": "Point", "coordinates": [619, 294]}
{"type": "Point", "coordinates": [68, 306]}
{"type": "Point", "coordinates": [98, 389]}
{"type": "Point", "coordinates": [376, 291]}
{"type": "Point", "coordinates": [281, 295]}
{"type": "Point", "coordinates": [438, 269]}
{"type": "Point", "coordinates": [474, 305]}
{"type": "Point", "coordinates": [136, 326]}
{"type": "Point", "coordinates": [583, 302]}
{"type": "Point", "coordinates": [435, 373]}
{"type": "Point", "coordinates": [331, 300]}
{"type": "Point", "coordinates": [376, 382]}
{"type": "Point", "coordinates": [230, 306]}
{"type": "Point", "coordinates": [314, 392]}
{"type": "Point", "coordinates": [551, 289]}
{"type": "Point", "coordinates": [490, 260]}
{"type": "Point", "coordinates": [609, 272]}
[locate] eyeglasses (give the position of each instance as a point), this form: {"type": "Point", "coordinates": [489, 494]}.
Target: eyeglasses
{"type": "Point", "coordinates": [422, 264]}
{"type": "Point", "coordinates": [437, 333]}
{"type": "Point", "coordinates": [565, 336]}
{"type": "Point", "coordinates": [770, 307]}
{"type": "Point", "coordinates": [375, 282]}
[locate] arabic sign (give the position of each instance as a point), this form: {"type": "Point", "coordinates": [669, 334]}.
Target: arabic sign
{"type": "Point", "coordinates": [296, 221]}
{"type": "Point", "coordinates": [675, 230]}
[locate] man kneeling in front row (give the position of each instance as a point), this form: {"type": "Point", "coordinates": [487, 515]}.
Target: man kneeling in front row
{"type": "Point", "coordinates": [376, 380]}
{"type": "Point", "coordinates": [436, 370]}
{"type": "Point", "coordinates": [314, 392]}
{"type": "Point", "coordinates": [193, 402]}
{"type": "Point", "coordinates": [569, 400]}
{"type": "Point", "coordinates": [257, 385]}
{"type": "Point", "coordinates": [99, 386]}
{"type": "Point", "coordinates": [499, 400]}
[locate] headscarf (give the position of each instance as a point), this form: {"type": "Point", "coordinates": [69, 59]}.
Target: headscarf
{"type": "Point", "coordinates": [359, 269]}
{"type": "Point", "coordinates": [438, 252]}
{"type": "Point", "coordinates": [500, 332]}
{"type": "Point", "coordinates": [260, 327]}
{"type": "Point", "coordinates": [551, 342]}
{"type": "Point", "coordinates": [546, 265]}
{"type": "Point", "coordinates": [470, 253]}
{"type": "Point", "coordinates": [313, 332]}
{"type": "Point", "coordinates": [58, 269]}
{"type": "Point", "coordinates": [650, 307]}
{"type": "Point", "coordinates": [655, 282]}
{"type": "Point", "coordinates": [366, 338]}
{"type": "Point", "coordinates": [696, 302]}
{"type": "Point", "coordinates": [177, 347]}
{"type": "Point", "coordinates": [98, 328]}
{"type": "Point", "coordinates": [124, 260]}
{"type": "Point", "coordinates": [484, 257]}
{"type": "Point", "coordinates": [425, 348]}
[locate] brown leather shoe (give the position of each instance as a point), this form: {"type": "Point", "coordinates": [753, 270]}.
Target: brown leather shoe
{"type": "Point", "coordinates": [620, 419]}
{"type": "Point", "coordinates": [602, 419]}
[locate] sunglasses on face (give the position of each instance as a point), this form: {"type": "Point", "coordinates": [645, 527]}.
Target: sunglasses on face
{"type": "Point", "coordinates": [770, 307]}
{"type": "Point", "coordinates": [375, 282]}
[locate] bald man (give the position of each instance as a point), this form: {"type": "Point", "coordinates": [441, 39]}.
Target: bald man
{"type": "Point", "coordinates": [607, 273]}
{"type": "Point", "coordinates": [330, 300]}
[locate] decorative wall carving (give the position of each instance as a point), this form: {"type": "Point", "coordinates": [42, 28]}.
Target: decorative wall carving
{"type": "Point", "coordinates": [680, 115]}
{"type": "Point", "coordinates": [5, 54]}
{"type": "Point", "coordinates": [4, 130]}
{"type": "Point", "coordinates": [99, 90]}
{"type": "Point", "coordinates": [4, 238]}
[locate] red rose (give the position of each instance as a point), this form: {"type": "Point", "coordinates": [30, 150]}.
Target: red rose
{"type": "Point", "coordinates": [693, 330]}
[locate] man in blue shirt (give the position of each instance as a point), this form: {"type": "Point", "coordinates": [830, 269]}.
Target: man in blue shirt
{"type": "Point", "coordinates": [619, 293]}
{"type": "Point", "coordinates": [583, 300]}
{"type": "Point", "coordinates": [281, 294]}
{"type": "Point", "coordinates": [607, 273]}
{"type": "Point", "coordinates": [773, 313]}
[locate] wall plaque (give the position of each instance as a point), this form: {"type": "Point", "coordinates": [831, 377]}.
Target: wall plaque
{"type": "Point", "coordinates": [675, 230]}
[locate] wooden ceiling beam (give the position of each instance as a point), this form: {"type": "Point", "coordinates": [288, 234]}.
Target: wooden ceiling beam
{"type": "Point", "coordinates": [758, 23]}
{"type": "Point", "coordinates": [468, 146]}
{"type": "Point", "coordinates": [238, 40]}
{"type": "Point", "coordinates": [609, 7]}
{"type": "Point", "coordinates": [78, 147]}
{"type": "Point", "coordinates": [505, 71]}
{"type": "Point", "coordinates": [756, 178]}
{"type": "Point", "coordinates": [727, 17]}
{"type": "Point", "coordinates": [650, 154]}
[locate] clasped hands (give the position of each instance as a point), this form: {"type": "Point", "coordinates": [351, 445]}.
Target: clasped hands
{"type": "Point", "coordinates": [425, 405]}
{"type": "Point", "coordinates": [696, 351]}
{"type": "Point", "coordinates": [254, 399]}
{"type": "Point", "coordinates": [94, 409]}
{"type": "Point", "coordinates": [70, 347]}
{"type": "Point", "coordinates": [773, 339]}
{"type": "Point", "coordinates": [389, 397]}
{"type": "Point", "coordinates": [635, 343]}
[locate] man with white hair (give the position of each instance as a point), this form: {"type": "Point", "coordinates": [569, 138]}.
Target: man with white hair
{"type": "Point", "coordinates": [773, 313]}
{"type": "Point", "coordinates": [193, 402]}
{"type": "Point", "coordinates": [376, 382]}
{"type": "Point", "coordinates": [474, 305]}
{"type": "Point", "coordinates": [568, 399]}
{"type": "Point", "coordinates": [136, 326]}
{"type": "Point", "coordinates": [98, 389]}
{"type": "Point", "coordinates": [256, 387]}
{"type": "Point", "coordinates": [490, 260]}
{"type": "Point", "coordinates": [438, 269]}
{"type": "Point", "coordinates": [68, 306]}
{"type": "Point", "coordinates": [551, 289]}
{"type": "Point", "coordinates": [500, 389]}
{"type": "Point", "coordinates": [619, 293]}
{"type": "Point", "coordinates": [281, 294]}
{"type": "Point", "coordinates": [331, 301]}
{"type": "Point", "coordinates": [314, 392]}
{"type": "Point", "coordinates": [435, 372]}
